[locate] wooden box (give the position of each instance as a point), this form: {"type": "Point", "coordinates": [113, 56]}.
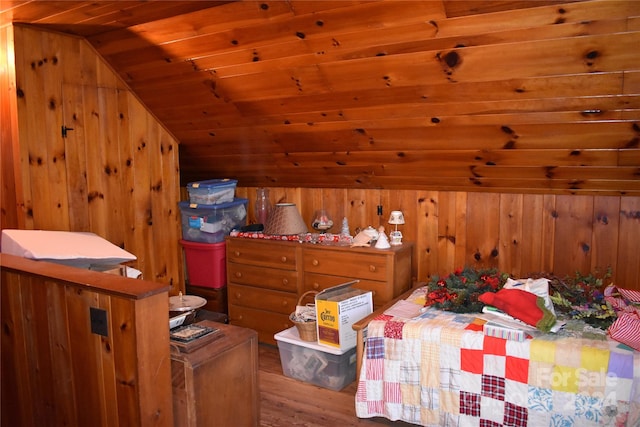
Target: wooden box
{"type": "Point", "coordinates": [217, 384]}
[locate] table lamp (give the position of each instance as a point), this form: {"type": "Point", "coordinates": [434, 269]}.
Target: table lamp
{"type": "Point", "coordinates": [285, 220]}
{"type": "Point", "coordinates": [396, 218]}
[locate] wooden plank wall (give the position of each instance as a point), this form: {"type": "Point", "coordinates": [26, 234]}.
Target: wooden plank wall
{"type": "Point", "coordinates": [115, 174]}
{"type": "Point", "coordinates": [9, 185]}
{"type": "Point", "coordinates": [57, 372]}
{"type": "Point", "coordinates": [518, 233]}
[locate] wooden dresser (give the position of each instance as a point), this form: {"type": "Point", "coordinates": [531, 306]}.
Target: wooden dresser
{"type": "Point", "coordinates": [265, 278]}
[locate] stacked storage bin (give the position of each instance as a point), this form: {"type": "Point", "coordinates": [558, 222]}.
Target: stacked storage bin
{"type": "Point", "coordinates": [210, 214]}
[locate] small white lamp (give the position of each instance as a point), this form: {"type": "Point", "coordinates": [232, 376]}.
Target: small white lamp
{"type": "Point", "coordinates": [396, 218]}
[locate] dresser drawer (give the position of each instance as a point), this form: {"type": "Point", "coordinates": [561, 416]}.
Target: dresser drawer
{"type": "Point", "coordinates": [216, 298]}
{"type": "Point", "coordinates": [261, 253]}
{"type": "Point", "coordinates": [382, 293]}
{"type": "Point", "coordinates": [269, 278]}
{"type": "Point", "coordinates": [262, 299]}
{"type": "Point", "coordinates": [363, 266]}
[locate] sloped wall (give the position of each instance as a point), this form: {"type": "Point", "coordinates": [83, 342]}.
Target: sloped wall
{"type": "Point", "coordinates": [116, 171]}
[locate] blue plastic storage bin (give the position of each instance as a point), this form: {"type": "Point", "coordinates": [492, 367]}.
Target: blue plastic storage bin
{"type": "Point", "coordinates": [212, 191]}
{"type": "Point", "coordinates": [211, 223]}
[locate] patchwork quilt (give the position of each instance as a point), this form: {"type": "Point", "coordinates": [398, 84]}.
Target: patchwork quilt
{"type": "Point", "coordinates": [441, 370]}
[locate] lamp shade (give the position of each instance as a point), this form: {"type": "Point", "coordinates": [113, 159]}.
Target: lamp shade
{"type": "Point", "coordinates": [285, 220]}
{"type": "Point", "coordinates": [396, 218]}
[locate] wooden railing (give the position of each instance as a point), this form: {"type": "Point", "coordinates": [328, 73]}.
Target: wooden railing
{"type": "Point", "coordinates": [82, 348]}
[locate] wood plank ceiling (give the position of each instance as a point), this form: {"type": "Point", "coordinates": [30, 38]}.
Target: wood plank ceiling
{"type": "Point", "coordinates": [530, 96]}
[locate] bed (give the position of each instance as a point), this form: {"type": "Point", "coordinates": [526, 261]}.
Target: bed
{"type": "Point", "coordinates": [437, 368]}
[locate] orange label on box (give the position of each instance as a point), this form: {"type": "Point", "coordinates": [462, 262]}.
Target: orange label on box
{"type": "Point", "coordinates": [328, 335]}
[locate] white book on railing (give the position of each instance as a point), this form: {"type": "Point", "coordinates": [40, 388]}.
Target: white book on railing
{"type": "Point", "coordinates": [492, 314]}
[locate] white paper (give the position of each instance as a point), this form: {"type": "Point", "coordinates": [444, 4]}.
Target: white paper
{"type": "Point", "coordinates": [78, 249]}
{"type": "Point", "coordinates": [405, 309]}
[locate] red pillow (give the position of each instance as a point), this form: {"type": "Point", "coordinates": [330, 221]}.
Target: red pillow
{"type": "Point", "coordinates": [522, 305]}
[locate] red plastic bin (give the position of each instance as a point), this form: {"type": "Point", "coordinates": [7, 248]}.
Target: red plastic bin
{"type": "Point", "coordinates": [206, 263]}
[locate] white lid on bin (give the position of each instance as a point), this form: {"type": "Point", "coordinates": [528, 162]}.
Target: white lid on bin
{"type": "Point", "coordinates": [186, 205]}
{"type": "Point", "coordinates": [291, 336]}
{"type": "Point", "coordinates": [212, 183]}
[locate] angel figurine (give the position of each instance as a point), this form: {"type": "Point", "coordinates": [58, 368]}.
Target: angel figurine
{"type": "Point", "coordinates": [383, 240]}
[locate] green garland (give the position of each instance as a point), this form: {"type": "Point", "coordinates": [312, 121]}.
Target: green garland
{"type": "Point", "coordinates": [459, 291]}
{"type": "Point", "coordinates": [578, 297]}
{"type": "Point", "coordinates": [582, 297]}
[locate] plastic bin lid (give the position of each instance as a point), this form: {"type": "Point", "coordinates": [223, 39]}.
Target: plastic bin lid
{"type": "Point", "coordinates": [202, 245]}
{"type": "Point", "coordinates": [292, 336]}
{"type": "Point", "coordinates": [212, 183]}
{"type": "Point", "coordinates": [188, 205]}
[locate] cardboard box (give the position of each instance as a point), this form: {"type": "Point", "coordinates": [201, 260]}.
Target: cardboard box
{"type": "Point", "coordinates": [337, 309]}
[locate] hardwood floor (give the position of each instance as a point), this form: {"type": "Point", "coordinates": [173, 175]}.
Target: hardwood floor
{"type": "Point", "coordinates": [286, 402]}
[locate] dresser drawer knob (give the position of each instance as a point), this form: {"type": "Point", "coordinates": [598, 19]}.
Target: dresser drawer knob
{"type": "Point", "coordinates": [238, 295]}
{"type": "Point", "coordinates": [237, 253]}
{"type": "Point", "coordinates": [315, 263]}
{"type": "Point", "coordinates": [316, 285]}
{"type": "Point", "coordinates": [238, 274]}
{"type": "Point", "coordinates": [285, 303]}
{"type": "Point", "coordinates": [283, 259]}
{"type": "Point", "coordinates": [285, 281]}
{"type": "Point", "coordinates": [372, 268]}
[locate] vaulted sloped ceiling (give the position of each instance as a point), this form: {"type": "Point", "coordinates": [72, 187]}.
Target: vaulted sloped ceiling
{"type": "Point", "coordinates": [539, 96]}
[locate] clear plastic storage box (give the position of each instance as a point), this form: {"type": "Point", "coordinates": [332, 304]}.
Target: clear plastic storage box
{"type": "Point", "coordinates": [314, 363]}
{"type": "Point", "coordinates": [211, 223]}
{"type": "Point", "coordinates": [212, 191]}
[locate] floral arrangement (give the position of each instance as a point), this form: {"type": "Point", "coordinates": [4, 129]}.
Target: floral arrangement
{"type": "Point", "coordinates": [459, 291]}
{"type": "Point", "coordinates": [582, 297]}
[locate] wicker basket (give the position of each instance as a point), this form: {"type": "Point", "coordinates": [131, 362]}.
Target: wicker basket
{"type": "Point", "coordinates": [306, 330]}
